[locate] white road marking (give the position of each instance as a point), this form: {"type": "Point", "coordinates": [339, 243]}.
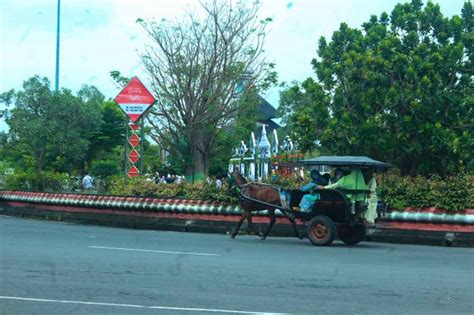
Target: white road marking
{"type": "Point", "coordinates": [154, 251]}
{"type": "Point", "coordinates": [171, 308]}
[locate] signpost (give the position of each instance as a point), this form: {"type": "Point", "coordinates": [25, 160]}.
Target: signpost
{"type": "Point", "coordinates": [134, 100]}
{"type": "Point", "coordinates": [133, 171]}
{"type": "Point", "coordinates": [134, 156]}
{"type": "Point", "coordinates": [134, 140]}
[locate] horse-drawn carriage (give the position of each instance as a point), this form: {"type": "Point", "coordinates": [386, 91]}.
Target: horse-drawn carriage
{"type": "Point", "coordinates": [335, 212]}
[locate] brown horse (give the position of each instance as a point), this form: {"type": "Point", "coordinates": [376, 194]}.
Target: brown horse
{"type": "Point", "coordinates": [259, 191]}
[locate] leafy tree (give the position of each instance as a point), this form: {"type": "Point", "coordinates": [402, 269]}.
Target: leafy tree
{"type": "Point", "coordinates": [240, 128]}
{"type": "Point", "coordinates": [152, 162]}
{"type": "Point", "coordinates": [399, 89]}
{"type": "Point", "coordinates": [111, 133]}
{"type": "Point", "coordinates": [194, 67]}
{"type": "Point", "coordinates": [50, 128]}
{"type": "Point", "coordinates": [305, 112]}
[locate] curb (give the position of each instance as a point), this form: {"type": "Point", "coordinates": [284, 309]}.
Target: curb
{"type": "Point", "coordinates": [223, 226]}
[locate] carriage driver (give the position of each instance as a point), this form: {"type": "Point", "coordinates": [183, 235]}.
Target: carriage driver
{"type": "Point", "coordinates": [353, 180]}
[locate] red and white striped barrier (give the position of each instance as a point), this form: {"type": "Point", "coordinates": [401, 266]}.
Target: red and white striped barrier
{"type": "Point", "coordinates": [103, 203]}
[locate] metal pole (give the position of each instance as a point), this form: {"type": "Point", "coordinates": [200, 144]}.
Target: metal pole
{"type": "Point", "coordinates": [142, 144]}
{"type": "Point", "coordinates": [125, 160]}
{"type": "Point", "coordinates": [56, 84]}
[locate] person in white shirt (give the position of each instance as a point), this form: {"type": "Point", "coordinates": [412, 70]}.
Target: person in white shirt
{"type": "Point", "coordinates": [87, 181]}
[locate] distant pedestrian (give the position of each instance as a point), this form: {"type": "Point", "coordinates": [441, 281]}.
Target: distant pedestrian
{"type": "Point", "coordinates": [169, 179]}
{"type": "Point", "coordinates": [163, 180]}
{"type": "Point", "coordinates": [87, 181]}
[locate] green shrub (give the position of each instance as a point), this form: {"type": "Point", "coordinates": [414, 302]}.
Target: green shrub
{"type": "Point", "coordinates": [29, 180]}
{"type": "Point", "coordinates": [20, 180]}
{"type": "Point", "coordinates": [451, 193]}
{"type": "Point", "coordinates": [456, 194]}
{"type": "Point", "coordinates": [143, 187]}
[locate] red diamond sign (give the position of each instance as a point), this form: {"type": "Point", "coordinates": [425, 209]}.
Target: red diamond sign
{"type": "Point", "coordinates": [134, 156]}
{"type": "Point", "coordinates": [135, 99]}
{"type": "Point", "coordinates": [134, 127]}
{"type": "Point", "coordinates": [133, 172]}
{"type": "Point", "coordinates": [134, 140]}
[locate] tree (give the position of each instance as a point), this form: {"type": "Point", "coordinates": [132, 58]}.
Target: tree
{"type": "Point", "coordinates": [111, 133]}
{"type": "Point", "coordinates": [229, 137]}
{"type": "Point", "coordinates": [50, 127]}
{"type": "Point", "coordinates": [305, 112]}
{"type": "Point", "coordinates": [399, 89]}
{"type": "Point", "coordinates": [194, 67]}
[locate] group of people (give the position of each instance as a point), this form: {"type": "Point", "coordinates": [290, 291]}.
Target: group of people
{"type": "Point", "coordinates": [355, 180]}
{"type": "Point", "coordinates": [177, 179]}
{"type": "Point", "coordinates": [168, 179]}
{"type": "Point", "coordinates": [216, 181]}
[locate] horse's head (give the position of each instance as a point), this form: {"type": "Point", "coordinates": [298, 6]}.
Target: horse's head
{"type": "Point", "coordinates": [235, 180]}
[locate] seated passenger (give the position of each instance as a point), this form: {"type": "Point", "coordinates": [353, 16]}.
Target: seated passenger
{"type": "Point", "coordinates": [327, 179]}
{"type": "Point", "coordinates": [308, 201]}
{"type": "Point", "coordinates": [371, 214]}
{"type": "Point", "coordinates": [338, 173]}
{"type": "Point", "coordinates": [316, 180]}
{"type": "Point", "coordinates": [285, 198]}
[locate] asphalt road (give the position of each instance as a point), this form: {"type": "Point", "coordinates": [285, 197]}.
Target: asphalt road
{"type": "Point", "coordinates": [58, 268]}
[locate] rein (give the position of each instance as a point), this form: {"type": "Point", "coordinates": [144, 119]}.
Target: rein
{"type": "Point", "coordinates": [259, 184]}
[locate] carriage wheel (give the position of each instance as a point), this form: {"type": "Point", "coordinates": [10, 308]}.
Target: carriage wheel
{"type": "Point", "coordinates": [351, 235]}
{"type": "Point", "coordinates": [321, 230]}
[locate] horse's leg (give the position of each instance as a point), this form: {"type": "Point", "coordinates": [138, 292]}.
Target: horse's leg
{"type": "Point", "coordinates": [242, 218]}
{"type": "Point", "coordinates": [271, 213]}
{"type": "Point", "coordinates": [293, 224]}
{"type": "Point", "coordinates": [250, 228]}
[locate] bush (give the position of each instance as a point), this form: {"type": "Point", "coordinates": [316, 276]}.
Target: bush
{"type": "Point", "coordinates": [452, 193]}
{"type": "Point", "coordinates": [290, 181]}
{"type": "Point", "coordinates": [142, 187]}
{"type": "Point", "coordinates": [29, 180]}
{"type": "Point", "coordinates": [20, 180]}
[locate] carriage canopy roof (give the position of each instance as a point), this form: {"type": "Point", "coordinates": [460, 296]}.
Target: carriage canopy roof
{"type": "Point", "coordinates": [346, 161]}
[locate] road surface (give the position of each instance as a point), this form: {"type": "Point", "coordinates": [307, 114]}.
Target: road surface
{"type": "Point", "coordinates": [60, 268]}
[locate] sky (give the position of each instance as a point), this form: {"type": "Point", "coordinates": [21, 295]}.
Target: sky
{"type": "Point", "coordinates": [98, 36]}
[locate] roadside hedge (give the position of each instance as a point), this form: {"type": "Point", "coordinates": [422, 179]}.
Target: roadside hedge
{"type": "Point", "coordinates": [142, 187]}
{"type": "Point", "coordinates": [451, 193]}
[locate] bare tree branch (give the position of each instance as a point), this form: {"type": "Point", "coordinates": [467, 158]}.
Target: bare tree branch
{"type": "Point", "coordinates": [194, 66]}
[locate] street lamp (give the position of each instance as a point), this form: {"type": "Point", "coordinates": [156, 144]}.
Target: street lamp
{"type": "Point", "coordinates": [56, 83]}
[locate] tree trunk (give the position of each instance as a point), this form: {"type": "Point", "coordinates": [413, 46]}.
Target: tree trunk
{"type": "Point", "coordinates": [39, 171]}
{"type": "Point", "coordinates": [199, 166]}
